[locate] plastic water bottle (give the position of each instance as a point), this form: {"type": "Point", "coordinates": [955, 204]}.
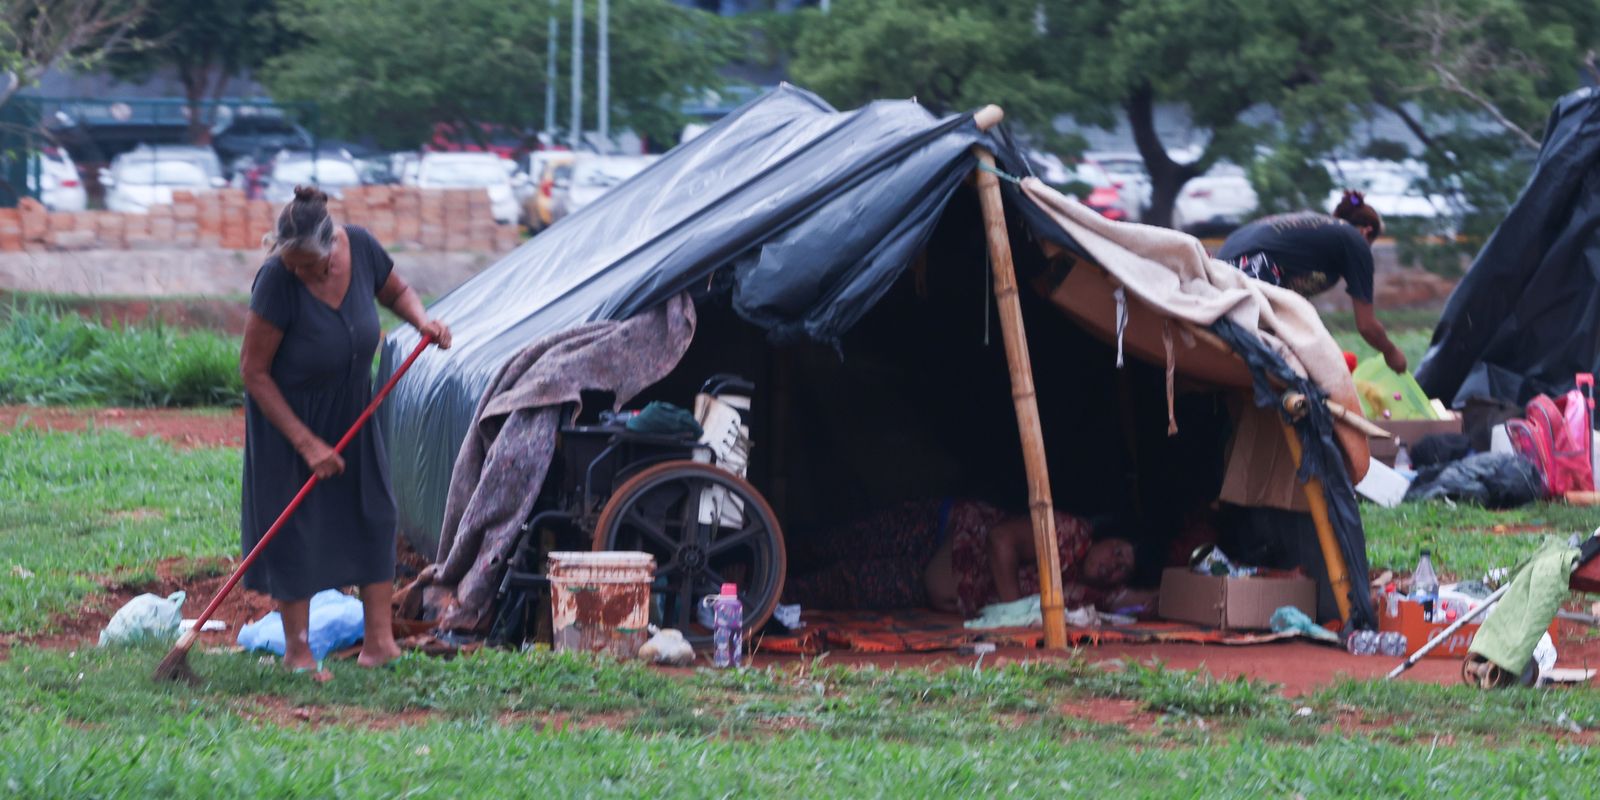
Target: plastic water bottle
{"type": "Point", "coordinates": [1393, 643]}
{"type": "Point", "coordinates": [1425, 585]}
{"type": "Point", "coordinates": [1402, 461]}
{"type": "Point", "coordinates": [1362, 643]}
{"type": "Point", "coordinates": [727, 617]}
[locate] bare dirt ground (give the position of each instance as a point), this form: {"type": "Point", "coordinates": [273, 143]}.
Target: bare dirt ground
{"type": "Point", "coordinates": [181, 427]}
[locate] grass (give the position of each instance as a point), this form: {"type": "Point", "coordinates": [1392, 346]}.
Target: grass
{"type": "Point", "coordinates": [65, 521]}
{"type": "Point", "coordinates": [89, 723]}
{"type": "Point", "coordinates": [51, 357]}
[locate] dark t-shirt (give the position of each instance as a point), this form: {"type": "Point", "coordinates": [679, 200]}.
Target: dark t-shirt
{"type": "Point", "coordinates": [1306, 252]}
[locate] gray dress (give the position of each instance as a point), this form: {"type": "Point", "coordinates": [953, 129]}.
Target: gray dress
{"type": "Point", "coordinates": [344, 532]}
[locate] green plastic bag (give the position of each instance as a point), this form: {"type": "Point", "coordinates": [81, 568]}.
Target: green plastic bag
{"type": "Point", "coordinates": [1522, 616]}
{"type": "Point", "coordinates": [146, 617]}
{"type": "Point", "coordinates": [1382, 390]}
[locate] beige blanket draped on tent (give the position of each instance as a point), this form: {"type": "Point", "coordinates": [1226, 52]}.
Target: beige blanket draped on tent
{"type": "Point", "coordinates": [1170, 273]}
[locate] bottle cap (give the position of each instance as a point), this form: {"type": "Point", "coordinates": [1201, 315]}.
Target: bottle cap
{"type": "Point", "coordinates": [729, 590]}
{"type": "Point", "coordinates": [1390, 588]}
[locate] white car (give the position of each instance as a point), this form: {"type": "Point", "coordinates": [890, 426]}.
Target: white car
{"type": "Point", "coordinates": [58, 184]}
{"type": "Point", "coordinates": [331, 174]}
{"type": "Point", "coordinates": [1216, 202]}
{"type": "Point", "coordinates": [1390, 188]}
{"type": "Point", "coordinates": [133, 186]}
{"type": "Point", "coordinates": [472, 171]}
{"type": "Point", "coordinates": [593, 177]}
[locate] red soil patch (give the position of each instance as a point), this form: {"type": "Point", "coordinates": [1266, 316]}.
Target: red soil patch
{"type": "Point", "coordinates": [279, 711]}
{"type": "Point", "coordinates": [1130, 714]}
{"type": "Point", "coordinates": [182, 427]}
{"type": "Point", "coordinates": [1300, 667]}
{"type": "Point", "coordinates": [82, 629]}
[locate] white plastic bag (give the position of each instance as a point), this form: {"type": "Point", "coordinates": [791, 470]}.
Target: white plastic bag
{"type": "Point", "coordinates": [146, 617]}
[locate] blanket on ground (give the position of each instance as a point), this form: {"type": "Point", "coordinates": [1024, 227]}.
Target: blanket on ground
{"type": "Point", "coordinates": [508, 449]}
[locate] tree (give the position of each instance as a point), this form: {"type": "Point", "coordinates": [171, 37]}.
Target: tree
{"type": "Point", "coordinates": [394, 70]}
{"type": "Point", "coordinates": [38, 34]}
{"type": "Point", "coordinates": [207, 42]}
{"type": "Point", "coordinates": [1313, 67]}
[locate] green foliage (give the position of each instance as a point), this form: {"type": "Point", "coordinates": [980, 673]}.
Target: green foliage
{"type": "Point", "coordinates": [1318, 66]}
{"type": "Point", "coordinates": [67, 520]}
{"type": "Point", "coordinates": [392, 70]}
{"type": "Point", "coordinates": [206, 42]}
{"type": "Point", "coordinates": [49, 357]}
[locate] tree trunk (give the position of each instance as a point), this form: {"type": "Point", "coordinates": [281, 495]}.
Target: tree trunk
{"type": "Point", "coordinates": [1167, 177]}
{"type": "Point", "coordinates": [195, 80]}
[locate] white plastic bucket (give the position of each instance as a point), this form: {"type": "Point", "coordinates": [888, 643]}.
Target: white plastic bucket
{"type": "Point", "coordinates": [600, 602]}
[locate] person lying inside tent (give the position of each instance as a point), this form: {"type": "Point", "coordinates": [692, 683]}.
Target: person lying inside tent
{"type": "Point", "coordinates": [1309, 252]}
{"type": "Point", "coordinates": [949, 555]}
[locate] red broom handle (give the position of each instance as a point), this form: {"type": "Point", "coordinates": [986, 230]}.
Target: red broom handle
{"type": "Point", "coordinates": [306, 489]}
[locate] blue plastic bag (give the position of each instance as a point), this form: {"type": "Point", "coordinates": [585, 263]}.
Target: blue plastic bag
{"type": "Point", "coordinates": [336, 623]}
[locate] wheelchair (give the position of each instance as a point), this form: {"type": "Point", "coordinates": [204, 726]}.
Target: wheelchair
{"type": "Point", "coordinates": [681, 499]}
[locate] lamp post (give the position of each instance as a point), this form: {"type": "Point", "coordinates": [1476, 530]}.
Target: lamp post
{"type": "Point", "coordinates": [577, 74]}
{"type": "Point", "coordinates": [550, 74]}
{"type": "Point", "coordinates": [605, 75]}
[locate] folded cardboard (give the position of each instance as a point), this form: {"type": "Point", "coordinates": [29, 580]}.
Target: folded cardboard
{"type": "Point", "coordinates": [1234, 603]}
{"type": "Point", "coordinates": [1383, 485]}
{"type": "Point", "coordinates": [1409, 431]}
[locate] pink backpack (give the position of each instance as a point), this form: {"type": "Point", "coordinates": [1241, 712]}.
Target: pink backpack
{"type": "Point", "coordinates": [1555, 436]}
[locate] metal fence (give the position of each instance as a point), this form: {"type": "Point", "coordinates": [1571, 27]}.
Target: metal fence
{"type": "Point", "coordinates": [94, 131]}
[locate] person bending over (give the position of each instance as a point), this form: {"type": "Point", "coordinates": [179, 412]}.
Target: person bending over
{"type": "Point", "coordinates": [1309, 252]}
{"type": "Point", "coordinates": [949, 555]}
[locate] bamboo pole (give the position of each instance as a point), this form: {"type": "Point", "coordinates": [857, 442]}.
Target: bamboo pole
{"type": "Point", "coordinates": [1040, 504]}
{"type": "Point", "coordinates": [1332, 556]}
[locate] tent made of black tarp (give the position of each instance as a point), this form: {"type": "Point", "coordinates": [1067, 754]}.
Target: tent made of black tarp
{"type": "Point", "coordinates": [801, 219]}
{"type": "Point", "coordinates": [1526, 318]}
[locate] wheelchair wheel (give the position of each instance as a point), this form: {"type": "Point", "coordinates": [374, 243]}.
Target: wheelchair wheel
{"type": "Point", "coordinates": [706, 527]}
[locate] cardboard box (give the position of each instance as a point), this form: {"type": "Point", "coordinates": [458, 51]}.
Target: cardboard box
{"type": "Point", "coordinates": [1409, 431]}
{"type": "Point", "coordinates": [1235, 603]}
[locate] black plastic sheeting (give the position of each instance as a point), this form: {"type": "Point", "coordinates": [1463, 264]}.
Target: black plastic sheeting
{"type": "Point", "coordinates": [1526, 317]}
{"type": "Point", "coordinates": [1492, 480]}
{"type": "Point", "coordinates": [815, 211]}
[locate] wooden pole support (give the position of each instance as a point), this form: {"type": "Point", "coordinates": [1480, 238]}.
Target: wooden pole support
{"type": "Point", "coordinates": [988, 117]}
{"type": "Point", "coordinates": [1332, 556]}
{"type": "Point", "coordinates": [1040, 505]}
{"type": "Point", "coordinates": [1295, 404]}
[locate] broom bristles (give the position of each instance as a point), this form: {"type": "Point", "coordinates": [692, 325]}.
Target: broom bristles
{"type": "Point", "coordinates": [175, 666]}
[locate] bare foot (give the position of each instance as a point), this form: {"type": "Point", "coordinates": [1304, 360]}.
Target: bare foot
{"type": "Point", "coordinates": [304, 663]}
{"type": "Point", "coordinates": [373, 656]}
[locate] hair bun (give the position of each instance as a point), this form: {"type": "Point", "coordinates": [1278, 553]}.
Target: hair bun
{"type": "Point", "coordinates": [1353, 197]}
{"type": "Point", "coordinates": [309, 194]}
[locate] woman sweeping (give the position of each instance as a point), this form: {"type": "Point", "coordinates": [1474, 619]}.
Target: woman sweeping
{"type": "Point", "coordinates": [306, 361]}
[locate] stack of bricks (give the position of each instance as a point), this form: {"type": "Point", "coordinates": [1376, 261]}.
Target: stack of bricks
{"type": "Point", "coordinates": [399, 217]}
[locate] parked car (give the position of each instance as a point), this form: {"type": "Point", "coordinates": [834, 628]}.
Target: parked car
{"type": "Point", "coordinates": [134, 185]}
{"type": "Point", "coordinates": [1127, 170]}
{"type": "Point", "coordinates": [591, 178]}
{"type": "Point", "coordinates": [539, 206]}
{"type": "Point", "coordinates": [1104, 195]}
{"type": "Point", "coordinates": [472, 171]}
{"type": "Point", "coordinates": [330, 172]}
{"type": "Point", "coordinates": [1390, 187]}
{"type": "Point", "coordinates": [500, 140]}
{"type": "Point", "coordinates": [1216, 202]}
{"type": "Point", "coordinates": [255, 135]}
{"type": "Point", "coordinates": [202, 157]}
{"type": "Point", "coordinates": [59, 186]}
